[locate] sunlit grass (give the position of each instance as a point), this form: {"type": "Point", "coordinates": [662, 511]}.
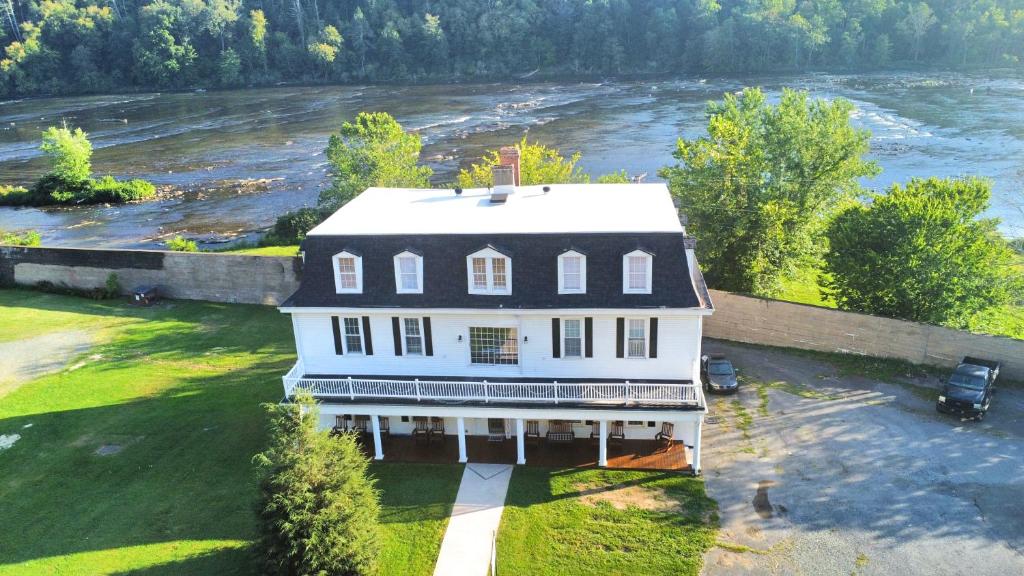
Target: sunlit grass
{"type": "Point", "coordinates": [548, 529]}
{"type": "Point", "coordinates": [178, 388]}
{"type": "Point", "coordinates": [267, 251]}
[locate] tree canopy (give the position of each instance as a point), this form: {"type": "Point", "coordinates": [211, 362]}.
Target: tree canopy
{"type": "Point", "coordinates": [538, 164]}
{"type": "Point", "coordinates": [757, 189]}
{"type": "Point", "coordinates": [372, 150]}
{"type": "Point", "coordinates": [69, 152]}
{"type": "Point", "coordinates": [921, 252]}
{"type": "Point", "coordinates": [74, 46]}
{"type": "Point", "coordinates": [319, 511]}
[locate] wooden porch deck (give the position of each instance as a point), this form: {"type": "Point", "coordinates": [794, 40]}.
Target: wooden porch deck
{"type": "Point", "coordinates": [632, 454]}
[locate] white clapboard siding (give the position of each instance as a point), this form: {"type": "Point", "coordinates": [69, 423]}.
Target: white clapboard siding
{"type": "Point", "coordinates": [678, 349]}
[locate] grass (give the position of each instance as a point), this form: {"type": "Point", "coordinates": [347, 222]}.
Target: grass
{"type": "Point", "coordinates": [178, 386]}
{"type": "Point", "coordinates": [548, 529]}
{"type": "Point", "coordinates": [266, 250]}
{"type": "Point", "coordinates": [416, 503]}
{"type": "Point", "coordinates": [1008, 320]}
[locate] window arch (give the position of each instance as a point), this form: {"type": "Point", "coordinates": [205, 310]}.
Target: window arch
{"type": "Point", "coordinates": [348, 273]}
{"type": "Point", "coordinates": [572, 273]}
{"type": "Point", "coordinates": [489, 272]}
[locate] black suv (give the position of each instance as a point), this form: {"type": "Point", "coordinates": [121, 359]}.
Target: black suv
{"type": "Point", "coordinates": [968, 391]}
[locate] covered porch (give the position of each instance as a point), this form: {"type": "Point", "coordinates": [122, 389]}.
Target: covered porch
{"type": "Point", "coordinates": [580, 453]}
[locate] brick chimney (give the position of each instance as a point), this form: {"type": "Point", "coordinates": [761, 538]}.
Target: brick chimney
{"type": "Point", "coordinates": [509, 156]}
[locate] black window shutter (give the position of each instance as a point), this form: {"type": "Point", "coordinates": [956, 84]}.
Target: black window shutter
{"type": "Point", "coordinates": [620, 328]}
{"type": "Point", "coordinates": [588, 334]}
{"type": "Point", "coordinates": [427, 336]}
{"type": "Point", "coordinates": [396, 331]}
{"type": "Point", "coordinates": [336, 327]}
{"type": "Point", "coordinates": [367, 337]}
{"type": "Point", "coordinates": [556, 338]}
{"type": "Point", "coordinates": [654, 338]}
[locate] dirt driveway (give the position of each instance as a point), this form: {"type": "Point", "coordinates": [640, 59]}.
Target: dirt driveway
{"type": "Point", "coordinates": [819, 473]}
{"type": "Point", "coordinates": [25, 360]}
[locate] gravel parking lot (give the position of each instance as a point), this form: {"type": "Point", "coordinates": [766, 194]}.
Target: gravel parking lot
{"type": "Point", "coordinates": [817, 472]}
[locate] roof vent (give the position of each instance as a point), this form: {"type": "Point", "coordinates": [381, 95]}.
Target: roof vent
{"type": "Point", "coordinates": [458, 191]}
{"type": "Point", "coordinates": [504, 184]}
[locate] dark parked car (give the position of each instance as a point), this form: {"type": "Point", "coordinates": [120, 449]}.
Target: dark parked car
{"type": "Point", "coordinates": [968, 391]}
{"type": "Point", "coordinates": [718, 374]}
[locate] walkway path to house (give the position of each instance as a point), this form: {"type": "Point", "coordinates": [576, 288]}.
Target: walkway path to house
{"type": "Point", "coordinates": [466, 549]}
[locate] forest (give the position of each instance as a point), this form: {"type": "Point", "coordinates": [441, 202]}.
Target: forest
{"type": "Point", "coordinates": [89, 46]}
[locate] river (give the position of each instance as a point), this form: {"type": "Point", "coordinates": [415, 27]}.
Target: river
{"type": "Point", "coordinates": [199, 145]}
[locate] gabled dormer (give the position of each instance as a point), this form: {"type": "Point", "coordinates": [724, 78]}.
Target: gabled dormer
{"type": "Point", "coordinates": [408, 272]}
{"type": "Point", "coordinates": [637, 272]}
{"type": "Point", "coordinates": [572, 272]}
{"type": "Point", "coordinates": [348, 272]}
{"type": "Point", "coordinates": [489, 272]}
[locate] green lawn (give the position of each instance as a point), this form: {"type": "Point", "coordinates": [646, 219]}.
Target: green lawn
{"type": "Point", "coordinates": [266, 251]}
{"type": "Point", "coordinates": [568, 522]}
{"type": "Point", "coordinates": [178, 387]}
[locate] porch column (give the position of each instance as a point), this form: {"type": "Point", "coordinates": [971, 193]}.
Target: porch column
{"type": "Point", "coordinates": [520, 444]}
{"type": "Point", "coordinates": [602, 444]}
{"type": "Point", "coordinates": [378, 449]}
{"type": "Point", "coordinates": [461, 425]}
{"type": "Point", "coordinates": [696, 445]}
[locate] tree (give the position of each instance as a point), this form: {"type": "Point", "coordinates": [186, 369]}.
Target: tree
{"type": "Point", "coordinates": [70, 154]}
{"type": "Point", "coordinates": [920, 252]}
{"type": "Point", "coordinates": [538, 164]}
{"type": "Point", "coordinates": [915, 24]}
{"type": "Point", "coordinates": [319, 509]}
{"type": "Point", "coordinates": [758, 188]}
{"type": "Point", "coordinates": [373, 150]}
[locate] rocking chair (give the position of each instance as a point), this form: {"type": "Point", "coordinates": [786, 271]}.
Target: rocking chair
{"type": "Point", "coordinates": [666, 436]}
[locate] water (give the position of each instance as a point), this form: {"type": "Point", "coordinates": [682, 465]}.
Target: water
{"type": "Point", "coordinates": [199, 145]}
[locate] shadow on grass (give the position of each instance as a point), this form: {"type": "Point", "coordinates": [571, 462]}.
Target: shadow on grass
{"type": "Point", "coordinates": [216, 562]}
{"type": "Point", "coordinates": [184, 470]}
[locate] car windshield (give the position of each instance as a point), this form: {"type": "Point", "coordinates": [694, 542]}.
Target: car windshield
{"type": "Point", "coordinates": [967, 382]}
{"type": "Point", "coordinates": [720, 369]}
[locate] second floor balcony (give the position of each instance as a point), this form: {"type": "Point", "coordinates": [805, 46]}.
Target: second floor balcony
{"type": "Point", "coordinates": [571, 392]}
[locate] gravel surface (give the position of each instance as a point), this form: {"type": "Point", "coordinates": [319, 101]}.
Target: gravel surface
{"type": "Point", "coordinates": [845, 475]}
{"type": "Point", "coordinates": [25, 360]}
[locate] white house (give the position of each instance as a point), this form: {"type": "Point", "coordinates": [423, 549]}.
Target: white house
{"type": "Point", "coordinates": [514, 320]}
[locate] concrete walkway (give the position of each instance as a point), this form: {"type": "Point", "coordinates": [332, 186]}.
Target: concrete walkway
{"type": "Point", "coordinates": [466, 549]}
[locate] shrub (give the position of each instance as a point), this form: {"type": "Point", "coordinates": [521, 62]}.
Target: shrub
{"type": "Point", "coordinates": [70, 154]}
{"type": "Point", "coordinates": [181, 244]}
{"type": "Point", "coordinates": [291, 228]}
{"type": "Point", "coordinates": [319, 509]}
{"type": "Point", "coordinates": [113, 286]}
{"type": "Point", "coordinates": [107, 189]}
{"type": "Point", "coordinates": [29, 238]}
{"type": "Point", "coordinates": [14, 196]}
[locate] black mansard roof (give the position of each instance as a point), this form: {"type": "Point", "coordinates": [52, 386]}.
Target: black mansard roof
{"type": "Point", "coordinates": [534, 271]}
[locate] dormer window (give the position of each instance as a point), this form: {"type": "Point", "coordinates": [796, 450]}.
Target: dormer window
{"type": "Point", "coordinates": [489, 272]}
{"type": "Point", "coordinates": [636, 272]}
{"type": "Point", "coordinates": [348, 273]}
{"type": "Point", "coordinates": [572, 273]}
{"type": "Point", "coordinates": [408, 273]}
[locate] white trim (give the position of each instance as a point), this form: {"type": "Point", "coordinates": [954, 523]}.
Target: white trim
{"type": "Point", "coordinates": [660, 312]}
{"type": "Point", "coordinates": [561, 273]}
{"type": "Point", "coordinates": [625, 273]}
{"type": "Point", "coordinates": [490, 255]}
{"type": "Point", "coordinates": [398, 273]}
{"type": "Point", "coordinates": [405, 344]}
{"type": "Point", "coordinates": [358, 261]}
{"type": "Point", "coordinates": [583, 337]}
{"type": "Point", "coordinates": [548, 412]}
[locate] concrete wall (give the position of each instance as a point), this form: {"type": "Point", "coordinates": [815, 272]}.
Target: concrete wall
{"type": "Point", "coordinates": [777, 323]}
{"type": "Point", "coordinates": [184, 275]}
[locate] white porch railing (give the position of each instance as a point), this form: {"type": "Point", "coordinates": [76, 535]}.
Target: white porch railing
{"type": "Point", "coordinates": [483, 391]}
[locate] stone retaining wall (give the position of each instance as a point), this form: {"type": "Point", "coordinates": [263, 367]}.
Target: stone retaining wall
{"type": "Point", "coordinates": [185, 275]}
{"type": "Point", "coordinates": [778, 323]}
